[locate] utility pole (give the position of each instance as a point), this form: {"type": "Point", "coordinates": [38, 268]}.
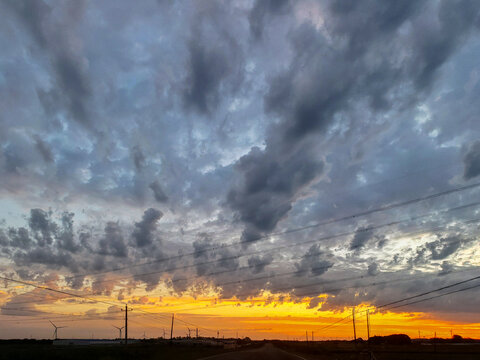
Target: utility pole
{"type": "Point", "coordinates": [354, 329]}
{"type": "Point", "coordinates": [218, 334]}
{"type": "Point", "coordinates": [171, 328]}
{"type": "Point", "coordinates": [306, 335]}
{"type": "Point", "coordinates": [368, 325]}
{"type": "Point", "coordinates": [126, 323]}
{"type": "Point", "coordinates": [163, 333]}
{"type": "Point", "coordinates": [419, 334]}
{"type": "Point", "coordinates": [196, 332]}
{"type": "Point", "coordinates": [312, 336]}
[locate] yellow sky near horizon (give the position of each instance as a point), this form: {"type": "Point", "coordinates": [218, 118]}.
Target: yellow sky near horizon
{"type": "Point", "coordinates": [258, 318]}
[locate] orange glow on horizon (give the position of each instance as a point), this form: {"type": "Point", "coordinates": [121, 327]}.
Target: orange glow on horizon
{"type": "Point", "coordinates": [257, 318]}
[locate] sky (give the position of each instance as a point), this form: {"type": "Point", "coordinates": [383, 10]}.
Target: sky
{"type": "Point", "coordinates": [259, 167]}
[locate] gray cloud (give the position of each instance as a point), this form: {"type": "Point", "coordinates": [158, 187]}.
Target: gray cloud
{"type": "Point", "coordinates": [360, 239]}
{"type": "Point", "coordinates": [313, 262]}
{"type": "Point", "coordinates": [207, 68]}
{"type": "Point", "coordinates": [113, 242]}
{"type": "Point", "coordinates": [373, 269]}
{"type": "Point", "coordinates": [269, 186]}
{"type": "Point", "coordinates": [215, 62]}
{"type": "Point", "coordinates": [442, 248]}
{"type": "Point", "coordinates": [158, 192]}
{"type": "Point", "coordinates": [258, 263]}
{"type": "Point", "coordinates": [143, 233]}
{"type": "Point", "coordinates": [43, 229]}
{"type": "Point", "coordinates": [44, 149]}
{"type": "Point", "coordinates": [471, 161]}
{"type": "Point", "coordinates": [72, 82]}
{"type": "Point", "coordinates": [321, 85]}
{"type": "Point", "coordinates": [138, 158]}
{"type": "Point", "coordinates": [261, 10]}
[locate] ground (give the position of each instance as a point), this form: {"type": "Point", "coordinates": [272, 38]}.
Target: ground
{"type": "Point", "coordinates": [257, 351]}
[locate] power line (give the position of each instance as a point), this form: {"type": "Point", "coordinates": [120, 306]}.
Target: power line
{"type": "Point", "coordinates": [413, 297]}
{"type": "Point", "coordinates": [286, 288]}
{"type": "Point", "coordinates": [323, 281]}
{"type": "Point", "coordinates": [69, 294]}
{"type": "Point", "coordinates": [436, 296]}
{"type": "Point", "coordinates": [56, 290]}
{"type": "Point", "coordinates": [289, 231]}
{"type": "Point", "coordinates": [278, 248]}
{"type": "Point", "coordinates": [74, 295]}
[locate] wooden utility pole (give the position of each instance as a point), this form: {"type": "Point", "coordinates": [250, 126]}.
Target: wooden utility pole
{"type": "Point", "coordinates": [306, 335]}
{"type": "Point", "coordinates": [354, 329]}
{"type": "Point", "coordinates": [368, 325]}
{"type": "Point", "coordinates": [197, 332]}
{"type": "Point", "coordinates": [171, 328]}
{"type": "Point", "coordinates": [126, 323]}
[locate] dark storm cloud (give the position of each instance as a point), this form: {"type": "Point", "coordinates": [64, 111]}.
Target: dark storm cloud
{"type": "Point", "coordinates": [382, 241]}
{"type": "Point", "coordinates": [209, 256]}
{"type": "Point", "coordinates": [72, 82]}
{"type": "Point", "coordinates": [158, 192]}
{"type": "Point", "coordinates": [446, 268]}
{"type": "Point", "coordinates": [437, 250]}
{"type": "Point", "coordinates": [144, 232]}
{"type": "Point", "coordinates": [313, 262]}
{"type": "Point", "coordinates": [258, 263]}
{"type": "Point", "coordinates": [33, 14]}
{"type": "Point", "coordinates": [45, 256]}
{"type": "Point", "coordinates": [207, 69]}
{"type": "Point", "coordinates": [471, 161]}
{"type": "Point", "coordinates": [324, 80]}
{"type": "Point", "coordinates": [44, 149]}
{"type": "Point", "coordinates": [265, 8]}
{"type": "Point", "coordinates": [442, 248]}
{"type": "Point", "coordinates": [138, 158]}
{"type": "Point", "coordinates": [360, 238]}
{"type": "Point", "coordinates": [269, 187]}
{"type": "Point", "coordinates": [113, 243]}
{"type": "Point", "coordinates": [436, 43]}
{"type": "Point", "coordinates": [226, 259]}
{"type": "Point", "coordinates": [66, 236]}
{"type": "Point", "coordinates": [19, 238]}
{"type": "Point", "coordinates": [41, 226]}
{"type": "Point", "coordinates": [215, 66]}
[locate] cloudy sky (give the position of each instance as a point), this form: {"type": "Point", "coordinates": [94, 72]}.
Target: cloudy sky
{"type": "Point", "coordinates": [253, 165]}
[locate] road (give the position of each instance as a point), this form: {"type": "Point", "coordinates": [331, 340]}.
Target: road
{"type": "Point", "coordinates": [266, 352]}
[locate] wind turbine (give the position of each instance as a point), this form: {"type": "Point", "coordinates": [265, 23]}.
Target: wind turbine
{"type": "Point", "coordinates": [55, 332]}
{"type": "Point", "coordinates": [119, 330]}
